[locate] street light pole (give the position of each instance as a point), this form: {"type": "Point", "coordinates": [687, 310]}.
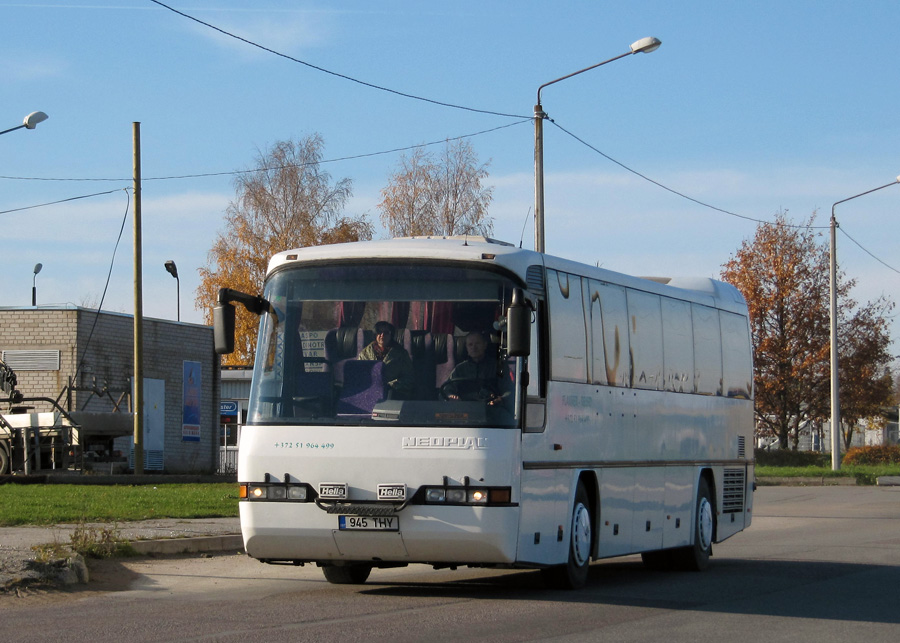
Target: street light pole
{"type": "Point", "coordinates": [833, 314]}
{"type": "Point", "coordinates": [644, 45]}
{"type": "Point", "coordinates": [37, 269]}
{"type": "Point", "coordinates": [30, 122]}
{"type": "Point", "coordinates": [172, 269]}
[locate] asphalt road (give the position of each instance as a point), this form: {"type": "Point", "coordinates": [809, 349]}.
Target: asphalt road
{"type": "Point", "coordinates": [818, 564]}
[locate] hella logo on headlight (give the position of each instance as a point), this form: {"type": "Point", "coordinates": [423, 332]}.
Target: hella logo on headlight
{"type": "Point", "coordinates": [333, 490]}
{"type": "Point", "coordinates": [395, 491]}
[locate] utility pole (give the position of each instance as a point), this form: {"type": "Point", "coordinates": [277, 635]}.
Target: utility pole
{"type": "Point", "coordinates": [138, 311]}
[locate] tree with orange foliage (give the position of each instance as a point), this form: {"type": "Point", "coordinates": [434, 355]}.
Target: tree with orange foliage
{"type": "Point", "coordinates": [441, 195]}
{"type": "Point", "coordinates": [783, 274]}
{"type": "Point", "coordinates": [286, 202]}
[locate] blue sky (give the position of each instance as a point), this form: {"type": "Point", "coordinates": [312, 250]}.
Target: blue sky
{"type": "Point", "coordinates": [753, 108]}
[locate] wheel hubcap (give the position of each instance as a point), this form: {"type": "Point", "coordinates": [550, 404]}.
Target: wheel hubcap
{"type": "Point", "coordinates": [704, 524]}
{"type": "Point", "coordinates": [581, 535]}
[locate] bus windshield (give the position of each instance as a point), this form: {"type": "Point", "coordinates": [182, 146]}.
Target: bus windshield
{"type": "Point", "coordinates": [411, 345]}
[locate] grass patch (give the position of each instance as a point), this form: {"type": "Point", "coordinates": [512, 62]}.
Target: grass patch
{"type": "Point", "coordinates": [865, 464]}
{"type": "Point", "coordinates": [864, 474]}
{"type": "Point", "coordinates": [79, 504]}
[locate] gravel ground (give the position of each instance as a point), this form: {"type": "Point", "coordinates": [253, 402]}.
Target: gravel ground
{"type": "Point", "coordinates": [24, 569]}
{"type": "Point", "coordinates": [20, 572]}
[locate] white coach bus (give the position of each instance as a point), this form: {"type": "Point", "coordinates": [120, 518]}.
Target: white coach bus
{"type": "Point", "coordinates": [514, 410]}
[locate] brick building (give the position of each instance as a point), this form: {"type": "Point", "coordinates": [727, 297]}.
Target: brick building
{"type": "Point", "coordinates": [85, 360]}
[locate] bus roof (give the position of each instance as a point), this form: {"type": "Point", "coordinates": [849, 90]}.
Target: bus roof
{"type": "Point", "coordinates": [471, 250]}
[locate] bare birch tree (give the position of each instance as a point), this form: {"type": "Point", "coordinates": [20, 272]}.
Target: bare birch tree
{"type": "Point", "coordinates": [438, 194]}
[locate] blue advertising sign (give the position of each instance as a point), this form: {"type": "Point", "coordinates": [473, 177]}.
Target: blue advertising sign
{"type": "Point", "coordinates": [190, 416]}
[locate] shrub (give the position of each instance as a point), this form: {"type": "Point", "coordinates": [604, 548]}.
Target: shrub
{"type": "Point", "coordinates": [790, 458]}
{"type": "Point", "coordinates": [873, 455]}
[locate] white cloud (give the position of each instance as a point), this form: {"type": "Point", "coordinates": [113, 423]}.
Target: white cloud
{"type": "Point", "coordinates": [289, 32]}
{"type": "Point", "coordinates": [24, 66]}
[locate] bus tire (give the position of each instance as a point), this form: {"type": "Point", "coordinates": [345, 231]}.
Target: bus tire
{"type": "Point", "coordinates": [4, 460]}
{"type": "Point", "coordinates": [346, 574]}
{"type": "Point", "coordinates": [574, 574]}
{"type": "Point", "coordinates": [695, 557]}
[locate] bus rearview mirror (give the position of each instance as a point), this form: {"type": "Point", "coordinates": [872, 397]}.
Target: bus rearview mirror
{"type": "Point", "coordinates": [223, 328]}
{"type": "Point", "coordinates": [518, 326]}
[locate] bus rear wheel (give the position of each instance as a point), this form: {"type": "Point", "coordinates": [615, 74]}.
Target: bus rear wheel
{"type": "Point", "coordinates": [4, 460]}
{"type": "Point", "coordinates": [695, 557]}
{"type": "Point", "coordinates": [346, 574]}
{"type": "Point", "coordinates": [574, 574]}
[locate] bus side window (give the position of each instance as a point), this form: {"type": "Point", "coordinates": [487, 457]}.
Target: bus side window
{"type": "Point", "coordinates": [535, 359]}
{"type": "Point", "coordinates": [599, 372]}
{"type": "Point", "coordinates": [736, 363]}
{"type": "Point", "coordinates": [645, 340]}
{"type": "Point", "coordinates": [568, 342]}
{"type": "Point", "coordinates": [707, 351]}
{"type": "Point", "coordinates": [614, 320]}
{"type": "Point", "coordinates": [678, 345]}
{"type": "Point", "coordinates": [536, 392]}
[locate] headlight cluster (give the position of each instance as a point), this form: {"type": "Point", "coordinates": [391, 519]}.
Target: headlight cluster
{"type": "Point", "coordinates": [272, 491]}
{"type": "Point", "coordinates": [275, 492]}
{"type": "Point", "coordinates": [467, 495]}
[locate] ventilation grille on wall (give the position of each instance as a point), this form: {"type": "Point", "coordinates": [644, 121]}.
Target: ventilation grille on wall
{"type": "Point", "coordinates": [742, 447]}
{"type": "Point", "coordinates": [153, 459]}
{"type": "Point", "coordinates": [36, 360]}
{"type": "Point", "coordinates": [733, 487]}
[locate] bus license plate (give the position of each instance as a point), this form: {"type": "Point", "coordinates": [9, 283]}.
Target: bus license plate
{"type": "Point", "coordinates": [369, 523]}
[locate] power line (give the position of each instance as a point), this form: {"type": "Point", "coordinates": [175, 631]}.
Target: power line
{"type": "Point", "coordinates": [654, 182]}
{"type": "Point", "coordinates": [334, 73]}
{"type": "Point", "coordinates": [105, 288]}
{"type": "Point", "coordinates": [345, 158]}
{"type": "Point", "coordinates": [73, 198]}
{"type": "Point", "coordinates": [860, 246]}
{"type": "Point", "coordinates": [236, 172]}
{"type": "Point", "coordinates": [712, 207]}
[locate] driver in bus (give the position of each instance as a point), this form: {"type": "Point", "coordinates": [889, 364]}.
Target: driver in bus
{"type": "Point", "coordinates": [478, 377]}
{"type": "Point", "coordinates": [398, 368]}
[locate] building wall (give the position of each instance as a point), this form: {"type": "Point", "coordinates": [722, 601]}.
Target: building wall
{"type": "Point", "coordinates": [34, 329]}
{"type": "Point", "coordinates": [96, 352]}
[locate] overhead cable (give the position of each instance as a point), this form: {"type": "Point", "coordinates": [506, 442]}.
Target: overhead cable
{"type": "Point", "coordinates": [860, 246]}
{"type": "Point", "coordinates": [712, 207]}
{"type": "Point", "coordinates": [236, 172]}
{"type": "Point", "coordinates": [73, 198]}
{"type": "Point", "coordinates": [334, 73]}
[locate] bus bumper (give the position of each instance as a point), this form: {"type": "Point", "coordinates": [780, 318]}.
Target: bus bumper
{"type": "Point", "coordinates": [425, 534]}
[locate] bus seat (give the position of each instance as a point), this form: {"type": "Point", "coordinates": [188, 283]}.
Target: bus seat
{"type": "Point", "coordinates": [363, 387]}
{"type": "Point", "coordinates": [459, 349]}
{"type": "Point", "coordinates": [342, 344]}
{"type": "Point", "coordinates": [444, 357]}
{"type": "Point", "coordinates": [421, 351]}
{"type": "Point", "coordinates": [313, 388]}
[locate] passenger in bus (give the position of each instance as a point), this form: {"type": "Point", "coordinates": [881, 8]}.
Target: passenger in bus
{"type": "Point", "coordinates": [399, 375]}
{"type": "Point", "coordinates": [478, 377]}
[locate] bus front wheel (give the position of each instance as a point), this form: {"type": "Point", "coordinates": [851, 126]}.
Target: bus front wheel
{"type": "Point", "coordinates": [346, 574]}
{"type": "Point", "coordinates": [574, 574]}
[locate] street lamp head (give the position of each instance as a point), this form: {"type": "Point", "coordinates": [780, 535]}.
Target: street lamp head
{"type": "Point", "coordinates": [171, 268]}
{"type": "Point", "coordinates": [37, 267]}
{"type": "Point", "coordinates": [645, 45]}
{"type": "Point", "coordinates": [34, 118]}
